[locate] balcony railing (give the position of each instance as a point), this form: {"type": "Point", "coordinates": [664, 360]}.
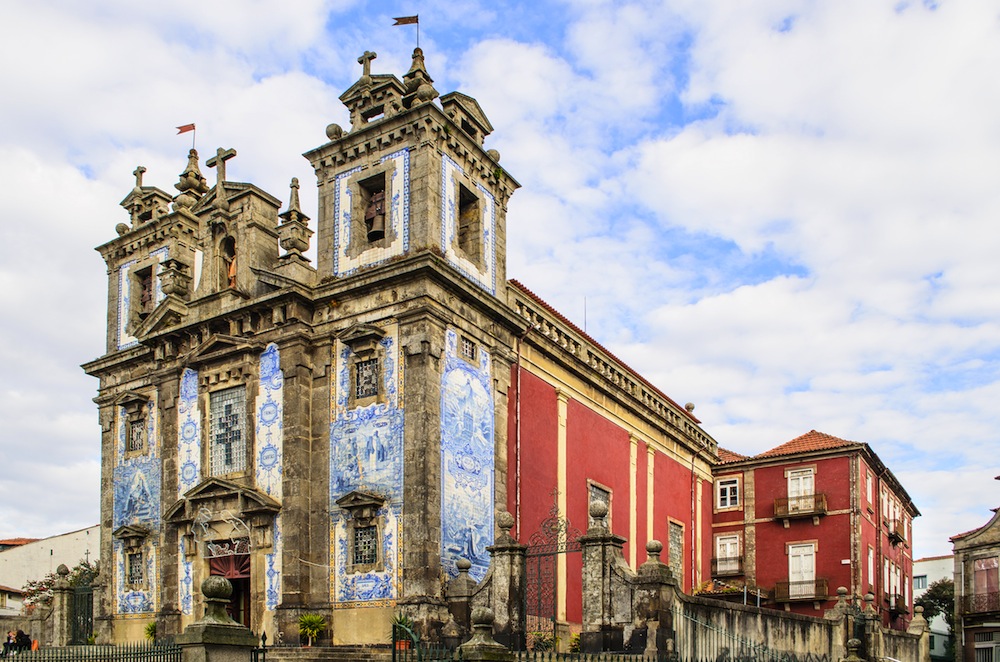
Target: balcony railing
{"type": "Point", "coordinates": [727, 566]}
{"type": "Point", "coordinates": [896, 534]}
{"type": "Point", "coordinates": [897, 605]}
{"type": "Point", "coordinates": [981, 602]}
{"type": "Point", "coordinates": [800, 506]}
{"type": "Point", "coordinates": [792, 591]}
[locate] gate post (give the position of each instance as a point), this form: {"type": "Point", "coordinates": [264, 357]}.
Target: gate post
{"type": "Point", "coordinates": [654, 600]}
{"type": "Point", "coordinates": [62, 607]}
{"type": "Point", "coordinates": [600, 547]}
{"type": "Point", "coordinates": [481, 647]}
{"type": "Point", "coordinates": [216, 637]}
{"type": "Point", "coordinates": [508, 586]}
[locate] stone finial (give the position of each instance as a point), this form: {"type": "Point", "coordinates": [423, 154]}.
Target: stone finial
{"type": "Point", "coordinates": [653, 549]}
{"type": "Point", "coordinates": [505, 521]}
{"type": "Point", "coordinates": [334, 131]}
{"type": "Point", "coordinates": [219, 163]}
{"type": "Point", "coordinates": [217, 591]}
{"type": "Point", "coordinates": [62, 570]}
{"type": "Point", "coordinates": [481, 647]}
{"type": "Point", "coordinates": [366, 67]}
{"type": "Point", "coordinates": [599, 513]}
{"type": "Point", "coordinates": [853, 645]}
{"type": "Point", "coordinates": [418, 82]}
{"type": "Point", "coordinates": [293, 197]}
{"type": "Point", "coordinates": [493, 154]}
{"type": "Point", "coordinates": [192, 184]}
{"type": "Point", "coordinates": [294, 233]}
{"type": "Point", "coordinates": [463, 565]}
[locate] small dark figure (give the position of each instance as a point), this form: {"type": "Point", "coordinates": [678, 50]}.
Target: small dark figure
{"type": "Point", "coordinates": [22, 642]}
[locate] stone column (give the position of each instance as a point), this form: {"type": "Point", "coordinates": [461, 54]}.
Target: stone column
{"type": "Point", "coordinates": [62, 608]}
{"type": "Point", "coordinates": [599, 548]}
{"type": "Point", "coordinates": [216, 637]}
{"type": "Point", "coordinates": [507, 561]}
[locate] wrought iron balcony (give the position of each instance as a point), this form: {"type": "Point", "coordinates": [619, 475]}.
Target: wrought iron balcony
{"type": "Point", "coordinates": [801, 506]}
{"type": "Point", "coordinates": [727, 566]}
{"type": "Point", "coordinates": [981, 603]}
{"type": "Point", "coordinates": [807, 591]}
{"type": "Point", "coordinates": [896, 534]}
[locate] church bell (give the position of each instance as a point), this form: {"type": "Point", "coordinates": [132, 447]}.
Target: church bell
{"type": "Point", "coordinates": [375, 216]}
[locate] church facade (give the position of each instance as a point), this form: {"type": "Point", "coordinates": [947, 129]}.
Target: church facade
{"type": "Point", "coordinates": [334, 438]}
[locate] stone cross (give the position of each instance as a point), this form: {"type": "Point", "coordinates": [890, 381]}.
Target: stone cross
{"type": "Point", "coordinates": [219, 162]}
{"type": "Point", "coordinates": [366, 62]}
{"type": "Point", "coordinates": [138, 175]}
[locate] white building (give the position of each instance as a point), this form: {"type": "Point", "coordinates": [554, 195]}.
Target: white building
{"type": "Point", "coordinates": [34, 560]}
{"type": "Point", "coordinates": [926, 571]}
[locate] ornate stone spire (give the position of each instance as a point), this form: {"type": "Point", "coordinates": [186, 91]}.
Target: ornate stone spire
{"type": "Point", "coordinates": [192, 184]}
{"type": "Point", "coordinates": [294, 233]}
{"type": "Point", "coordinates": [418, 82]}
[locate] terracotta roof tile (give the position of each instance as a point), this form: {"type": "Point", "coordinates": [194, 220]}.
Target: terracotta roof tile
{"type": "Point", "coordinates": [14, 542]}
{"type": "Point", "coordinates": [726, 455]}
{"type": "Point", "coordinates": [810, 441]}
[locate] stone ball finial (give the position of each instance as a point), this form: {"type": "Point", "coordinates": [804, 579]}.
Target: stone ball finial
{"type": "Point", "coordinates": [482, 616]}
{"type": "Point", "coordinates": [869, 597]}
{"type": "Point", "coordinates": [121, 229]}
{"type": "Point", "coordinates": [841, 591]}
{"type": "Point", "coordinates": [334, 131]}
{"type": "Point", "coordinates": [598, 509]}
{"type": "Point", "coordinates": [689, 407]}
{"type": "Point", "coordinates": [216, 587]}
{"type": "Point", "coordinates": [654, 547]}
{"type": "Point", "coordinates": [918, 610]}
{"type": "Point", "coordinates": [463, 565]}
{"type": "Point", "coordinates": [62, 570]}
{"type": "Point", "coordinates": [493, 154]}
{"type": "Point", "coordinates": [505, 520]}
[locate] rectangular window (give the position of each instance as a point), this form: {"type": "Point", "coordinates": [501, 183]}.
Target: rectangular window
{"type": "Point", "coordinates": [919, 582]}
{"type": "Point", "coordinates": [885, 576]}
{"type": "Point", "coordinates": [869, 487]}
{"type": "Point", "coordinates": [676, 550]}
{"type": "Point", "coordinates": [871, 567]}
{"type": "Point", "coordinates": [470, 233]}
{"type": "Point", "coordinates": [3, 600]}
{"type": "Point", "coordinates": [468, 348]}
{"type": "Point", "coordinates": [985, 576]}
{"type": "Point", "coordinates": [727, 553]}
{"type": "Point", "coordinates": [365, 545]}
{"type": "Point", "coordinates": [228, 431]}
{"type": "Point", "coordinates": [135, 569]}
{"type": "Point", "coordinates": [727, 493]}
{"type": "Point", "coordinates": [802, 570]}
{"type": "Point", "coordinates": [135, 441]}
{"type": "Point", "coordinates": [801, 490]}
{"type": "Point", "coordinates": [366, 379]}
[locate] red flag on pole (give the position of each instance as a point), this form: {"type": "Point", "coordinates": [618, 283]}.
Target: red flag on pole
{"type": "Point", "coordinates": [185, 128]}
{"type": "Point", "coordinates": [406, 20]}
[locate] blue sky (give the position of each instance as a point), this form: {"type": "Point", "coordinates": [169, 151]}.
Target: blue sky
{"type": "Point", "coordinates": [785, 212]}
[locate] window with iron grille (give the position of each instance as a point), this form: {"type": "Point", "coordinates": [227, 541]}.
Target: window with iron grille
{"type": "Point", "coordinates": [135, 441]}
{"type": "Point", "coordinates": [676, 550]}
{"type": "Point", "coordinates": [228, 431]}
{"type": "Point", "coordinates": [136, 568]}
{"type": "Point", "coordinates": [366, 379]}
{"type": "Point", "coordinates": [468, 348]}
{"type": "Point", "coordinates": [365, 545]}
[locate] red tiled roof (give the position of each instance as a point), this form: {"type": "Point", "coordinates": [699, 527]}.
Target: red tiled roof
{"type": "Point", "coordinates": [15, 542]}
{"type": "Point", "coordinates": [810, 441]}
{"type": "Point", "coordinates": [537, 299]}
{"type": "Point", "coordinates": [7, 589]}
{"type": "Point", "coordinates": [726, 455]}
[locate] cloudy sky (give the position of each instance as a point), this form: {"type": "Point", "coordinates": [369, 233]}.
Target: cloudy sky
{"type": "Point", "coordinates": [786, 212]}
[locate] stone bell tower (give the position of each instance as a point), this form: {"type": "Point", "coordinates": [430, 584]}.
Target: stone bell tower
{"type": "Point", "coordinates": [411, 242]}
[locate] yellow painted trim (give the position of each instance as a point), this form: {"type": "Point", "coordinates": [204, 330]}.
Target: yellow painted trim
{"type": "Point", "coordinates": [698, 524]}
{"type": "Point", "coordinates": [562, 397]}
{"type": "Point", "coordinates": [650, 473]}
{"type": "Point", "coordinates": [633, 498]}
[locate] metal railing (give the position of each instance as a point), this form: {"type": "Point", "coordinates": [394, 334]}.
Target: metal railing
{"type": "Point", "coordinates": [800, 506]}
{"type": "Point", "coordinates": [134, 652]}
{"type": "Point", "coordinates": [792, 591]}
{"type": "Point", "coordinates": [727, 566]}
{"type": "Point", "coordinates": [897, 604]}
{"type": "Point", "coordinates": [895, 533]}
{"type": "Point", "coordinates": [981, 602]}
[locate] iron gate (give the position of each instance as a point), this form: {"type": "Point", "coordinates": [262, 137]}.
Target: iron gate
{"type": "Point", "coordinates": [83, 614]}
{"type": "Point", "coordinates": [555, 536]}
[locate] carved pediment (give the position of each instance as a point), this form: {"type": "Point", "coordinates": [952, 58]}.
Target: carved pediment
{"type": "Point", "coordinates": [362, 338]}
{"type": "Point", "coordinates": [218, 495]}
{"type": "Point", "coordinates": [460, 106]}
{"type": "Point", "coordinates": [219, 346]}
{"type": "Point", "coordinates": [132, 536]}
{"type": "Point", "coordinates": [131, 399]}
{"type": "Point", "coordinates": [361, 504]}
{"type": "Point", "coordinates": [168, 313]}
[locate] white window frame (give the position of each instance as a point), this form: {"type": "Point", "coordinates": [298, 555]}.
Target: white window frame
{"type": "Point", "coordinates": [729, 499]}
{"type": "Point", "coordinates": [801, 570]}
{"type": "Point", "coordinates": [801, 485]}
{"type": "Point", "coordinates": [727, 562]}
